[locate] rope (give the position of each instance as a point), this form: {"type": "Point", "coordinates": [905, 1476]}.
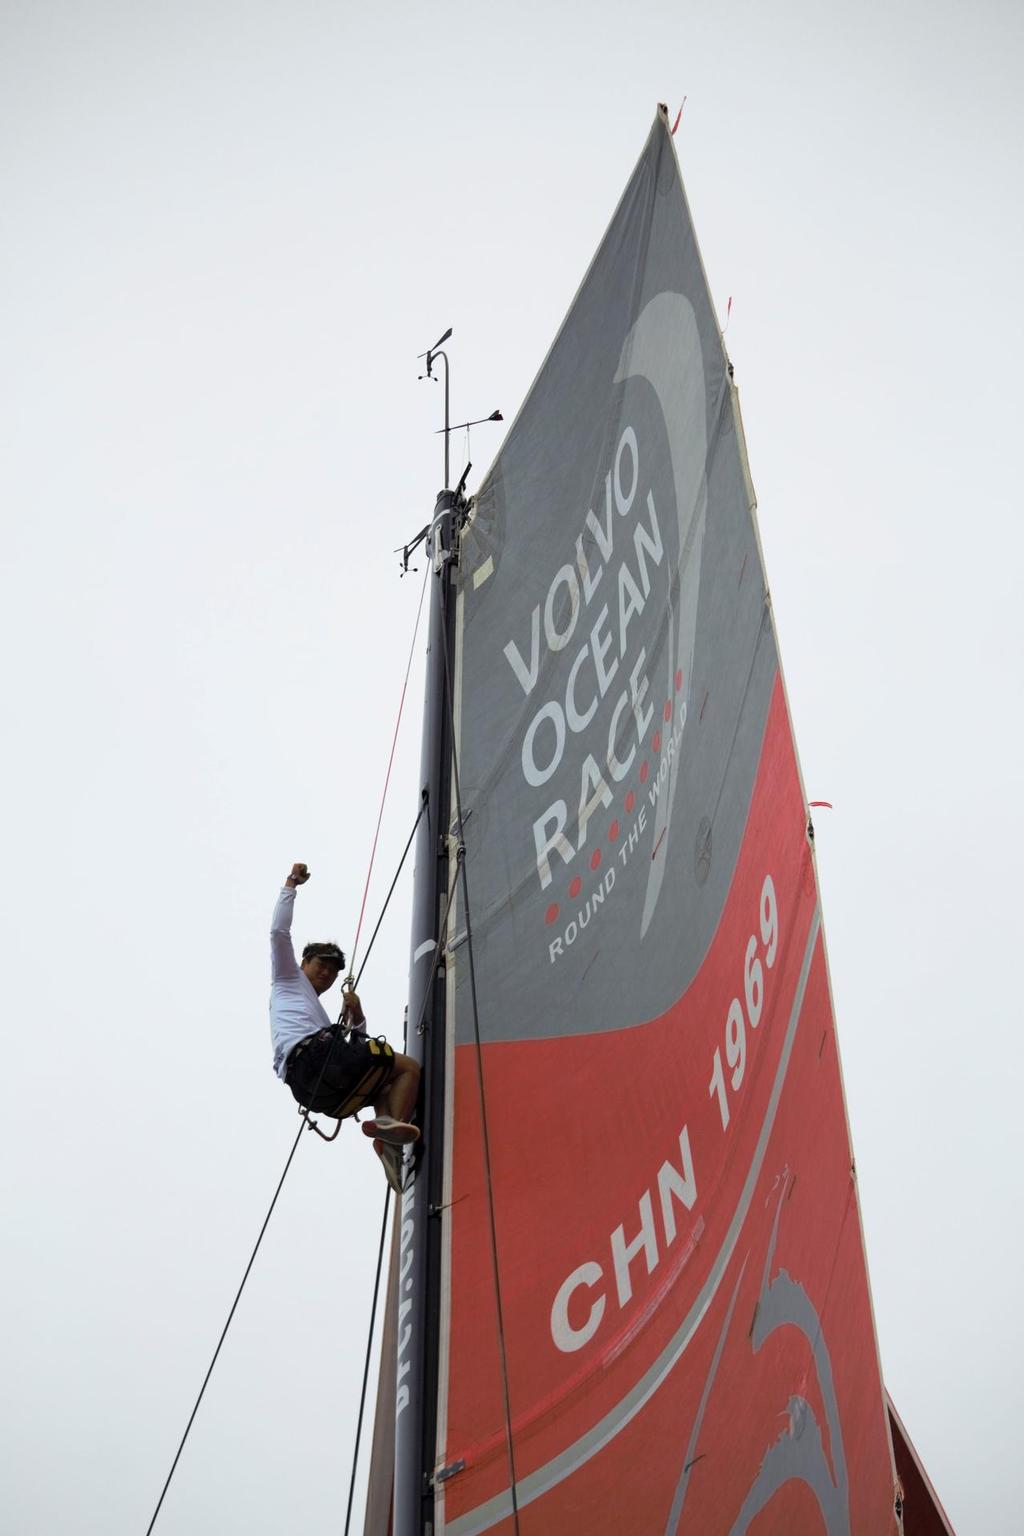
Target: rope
{"type": "Point", "coordinates": [224, 1331]}
{"type": "Point", "coordinates": [499, 1310]}
{"type": "Point", "coordinates": [307, 1124]}
{"type": "Point", "coordinates": [391, 889]}
{"type": "Point", "coordinates": [387, 776]}
{"type": "Point", "coordinates": [369, 1351]}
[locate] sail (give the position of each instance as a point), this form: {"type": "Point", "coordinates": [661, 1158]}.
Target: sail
{"type": "Point", "coordinates": [639, 1011]}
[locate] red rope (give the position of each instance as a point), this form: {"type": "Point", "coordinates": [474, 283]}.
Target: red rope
{"type": "Point", "coordinates": [387, 776]}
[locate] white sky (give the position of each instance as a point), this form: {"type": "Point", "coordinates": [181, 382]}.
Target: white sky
{"type": "Point", "coordinates": [227, 230]}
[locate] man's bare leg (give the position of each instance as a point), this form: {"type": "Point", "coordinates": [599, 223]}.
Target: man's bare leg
{"type": "Point", "coordinates": [399, 1097]}
{"type": "Point", "coordinates": [395, 1104]}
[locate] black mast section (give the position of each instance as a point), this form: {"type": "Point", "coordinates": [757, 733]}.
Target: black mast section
{"type": "Point", "coordinates": [418, 1280]}
{"type": "Point", "coordinates": [419, 1266]}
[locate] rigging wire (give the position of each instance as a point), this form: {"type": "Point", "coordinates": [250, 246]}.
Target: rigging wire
{"type": "Point", "coordinates": [224, 1331]}
{"type": "Point", "coordinates": [499, 1309]}
{"type": "Point", "coordinates": [391, 888]}
{"type": "Point", "coordinates": [387, 776]}
{"type": "Point", "coordinates": [369, 1352]}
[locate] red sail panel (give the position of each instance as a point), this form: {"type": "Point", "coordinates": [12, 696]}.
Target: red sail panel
{"type": "Point", "coordinates": [687, 1340]}
{"type": "Point", "coordinates": [746, 1333]}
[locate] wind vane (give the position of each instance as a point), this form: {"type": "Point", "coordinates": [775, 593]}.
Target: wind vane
{"type": "Point", "coordinates": [431, 355]}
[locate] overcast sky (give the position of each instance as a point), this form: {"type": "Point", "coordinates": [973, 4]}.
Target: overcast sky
{"type": "Point", "coordinates": [227, 230]}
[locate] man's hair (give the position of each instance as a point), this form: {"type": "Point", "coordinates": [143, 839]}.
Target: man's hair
{"type": "Point", "coordinates": [323, 952]}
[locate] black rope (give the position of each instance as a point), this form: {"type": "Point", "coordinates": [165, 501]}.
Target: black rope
{"type": "Point", "coordinates": [227, 1325]}
{"type": "Point", "coordinates": [499, 1310]}
{"type": "Point", "coordinates": [307, 1124]}
{"type": "Point", "coordinates": [369, 1352]}
{"type": "Point", "coordinates": [391, 889]}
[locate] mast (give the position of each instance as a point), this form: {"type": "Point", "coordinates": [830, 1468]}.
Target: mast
{"type": "Point", "coordinates": [419, 1248]}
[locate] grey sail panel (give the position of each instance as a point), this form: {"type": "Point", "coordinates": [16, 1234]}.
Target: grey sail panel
{"type": "Point", "coordinates": [610, 574]}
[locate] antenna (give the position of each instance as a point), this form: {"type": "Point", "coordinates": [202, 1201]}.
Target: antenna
{"type": "Point", "coordinates": [431, 355]}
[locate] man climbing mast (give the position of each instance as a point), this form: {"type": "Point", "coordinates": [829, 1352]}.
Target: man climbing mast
{"type": "Point", "coordinates": [335, 1069]}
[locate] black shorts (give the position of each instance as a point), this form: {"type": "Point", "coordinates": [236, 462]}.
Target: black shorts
{"type": "Point", "coordinates": [354, 1071]}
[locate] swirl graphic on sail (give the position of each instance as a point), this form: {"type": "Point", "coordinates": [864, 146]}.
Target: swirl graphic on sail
{"type": "Point", "coordinates": [663, 347]}
{"type": "Point", "coordinates": [798, 1452]}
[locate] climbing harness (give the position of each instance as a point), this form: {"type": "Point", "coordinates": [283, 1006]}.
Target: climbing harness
{"type": "Point", "coordinates": [357, 1096]}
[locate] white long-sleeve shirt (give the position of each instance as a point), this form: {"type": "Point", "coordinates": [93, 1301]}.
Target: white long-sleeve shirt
{"type": "Point", "coordinates": [295, 1009]}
